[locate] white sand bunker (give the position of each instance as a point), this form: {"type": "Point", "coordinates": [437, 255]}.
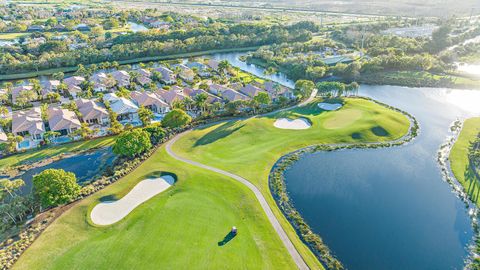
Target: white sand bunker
{"type": "Point", "coordinates": [107, 213]}
{"type": "Point", "coordinates": [285, 123]}
{"type": "Point", "coordinates": [329, 106]}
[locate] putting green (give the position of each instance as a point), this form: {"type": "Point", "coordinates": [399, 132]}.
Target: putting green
{"type": "Point", "coordinates": [342, 118]}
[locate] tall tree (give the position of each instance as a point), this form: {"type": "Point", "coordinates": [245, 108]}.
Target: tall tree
{"type": "Point", "coordinates": [54, 187]}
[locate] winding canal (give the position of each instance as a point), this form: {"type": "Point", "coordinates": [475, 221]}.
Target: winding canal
{"type": "Point", "coordinates": [387, 208]}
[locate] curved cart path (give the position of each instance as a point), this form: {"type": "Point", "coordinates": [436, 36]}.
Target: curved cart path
{"type": "Point", "coordinates": [261, 199]}
{"type": "Point", "coordinates": [266, 208]}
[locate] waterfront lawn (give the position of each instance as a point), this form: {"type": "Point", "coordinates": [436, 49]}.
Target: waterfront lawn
{"type": "Point", "coordinates": [459, 158]}
{"type": "Point", "coordinates": [38, 154]}
{"type": "Point", "coordinates": [251, 147]}
{"type": "Point", "coordinates": [178, 229]}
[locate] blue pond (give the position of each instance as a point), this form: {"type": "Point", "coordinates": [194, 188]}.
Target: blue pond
{"type": "Point", "coordinates": [85, 166]}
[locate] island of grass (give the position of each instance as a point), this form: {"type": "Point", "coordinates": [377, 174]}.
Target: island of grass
{"type": "Point", "coordinates": [187, 225]}
{"type": "Point", "coordinates": [459, 161]}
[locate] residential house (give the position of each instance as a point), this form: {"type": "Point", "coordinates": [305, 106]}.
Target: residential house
{"type": "Point", "coordinates": [168, 77]}
{"type": "Point", "coordinates": [213, 64]}
{"type": "Point", "coordinates": [126, 110]}
{"type": "Point", "coordinates": [232, 95]}
{"type": "Point", "coordinates": [150, 101]}
{"type": "Point", "coordinates": [202, 69]}
{"type": "Point", "coordinates": [217, 89]}
{"type": "Point", "coordinates": [73, 83]}
{"type": "Point", "coordinates": [275, 90]}
{"type": "Point", "coordinates": [62, 121]}
{"type": "Point", "coordinates": [74, 80]}
{"type": "Point", "coordinates": [143, 76]}
{"type": "Point", "coordinates": [93, 113]}
{"type": "Point", "coordinates": [121, 77]}
{"type": "Point", "coordinates": [186, 73]}
{"type": "Point", "coordinates": [251, 90]}
{"type": "Point", "coordinates": [174, 95]}
{"type": "Point", "coordinates": [28, 124]}
{"type": "Point", "coordinates": [17, 90]}
{"type": "Point", "coordinates": [100, 81]}
{"type": "Point", "coordinates": [236, 86]}
{"type": "Point", "coordinates": [49, 86]}
{"type": "Point", "coordinates": [210, 98]}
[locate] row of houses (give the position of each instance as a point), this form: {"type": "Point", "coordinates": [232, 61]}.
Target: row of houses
{"type": "Point", "coordinates": [30, 125]}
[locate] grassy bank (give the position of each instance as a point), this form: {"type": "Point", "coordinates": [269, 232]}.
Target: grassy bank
{"type": "Point", "coordinates": [250, 147]}
{"type": "Point", "coordinates": [459, 159]}
{"type": "Point", "coordinates": [26, 75]}
{"type": "Point", "coordinates": [38, 154]}
{"type": "Point", "coordinates": [177, 229]}
{"type": "Point", "coordinates": [420, 79]}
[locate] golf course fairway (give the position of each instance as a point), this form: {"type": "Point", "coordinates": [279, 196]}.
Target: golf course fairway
{"type": "Point", "coordinates": [185, 226]}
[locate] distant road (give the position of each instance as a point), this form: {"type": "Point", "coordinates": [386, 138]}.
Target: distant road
{"type": "Point", "coordinates": [309, 10]}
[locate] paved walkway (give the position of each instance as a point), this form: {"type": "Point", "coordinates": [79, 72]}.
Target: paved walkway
{"type": "Point", "coordinates": [261, 199]}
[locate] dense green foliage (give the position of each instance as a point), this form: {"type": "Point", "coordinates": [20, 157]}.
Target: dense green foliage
{"type": "Point", "coordinates": [176, 118]}
{"type": "Point", "coordinates": [132, 142]}
{"type": "Point", "coordinates": [151, 43]}
{"type": "Point", "coordinates": [54, 187]}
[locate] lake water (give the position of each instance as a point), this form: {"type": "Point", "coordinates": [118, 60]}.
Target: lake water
{"type": "Point", "coordinates": [387, 208]}
{"type": "Point", "coordinates": [84, 166]}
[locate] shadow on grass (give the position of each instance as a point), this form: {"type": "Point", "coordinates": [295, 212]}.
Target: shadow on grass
{"type": "Point", "coordinates": [227, 239]}
{"type": "Point", "coordinates": [218, 133]}
{"type": "Point", "coordinates": [108, 198]}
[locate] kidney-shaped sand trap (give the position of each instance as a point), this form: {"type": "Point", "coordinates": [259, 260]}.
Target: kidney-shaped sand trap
{"type": "Point", "coordinates": [107, 213]}
{"type": "Point", "coordinates": [329, 106]}
{"type": "Point", "coordinates": [285, 123]}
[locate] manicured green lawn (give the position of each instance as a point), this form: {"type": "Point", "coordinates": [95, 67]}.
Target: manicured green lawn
{"type": "Point", "coordinates": [177, 229]}
{"type": "Point", "coordinates": [251, 147]}
{"type": "Point", "coordinates": [181, 228]}
{"type": "Point", "coordinates": [33, 155]}
{"type": "Point", "coordinates": [459, 158]}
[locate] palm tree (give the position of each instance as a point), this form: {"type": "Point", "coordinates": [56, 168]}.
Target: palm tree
{"type": "Point", "coordinates": [201, 101]}
{"type": "Point", "coordinates": [12, 141]}
{"type": "Point", "coordinates": [187, 103]}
